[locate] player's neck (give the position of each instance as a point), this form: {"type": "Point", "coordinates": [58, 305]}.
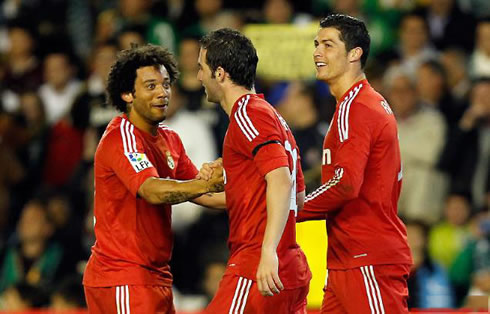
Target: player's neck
{"type": "Point", "coordinates": [231, 95]}
{"type": "Point", "coordinates": [142, 124]}
{"type": "Point", "coordinates": [340, 85]}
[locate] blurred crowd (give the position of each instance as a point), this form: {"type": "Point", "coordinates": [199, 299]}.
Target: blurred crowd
{"type": "Point", "coordinates": [429, 58]}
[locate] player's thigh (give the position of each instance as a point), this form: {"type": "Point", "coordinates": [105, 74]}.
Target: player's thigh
{"type": "Point", "coordinates": [290, 301]}
{"type": "Point", "coordinates": [376, 289]}
{"type": "Point", "coordinates": [331, 304]}
{"type": "Point", "coordinates": [240, 295]}
{"type": "Point", "coordinates": [232, 295]}
{"type": "Point", "coordinates": [129, 299]}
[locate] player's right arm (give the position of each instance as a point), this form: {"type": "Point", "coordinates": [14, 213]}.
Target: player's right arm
{"type": "Point", "coordinates": [122, 151]}
{"type": "Point", "coordinates": [167, 191]}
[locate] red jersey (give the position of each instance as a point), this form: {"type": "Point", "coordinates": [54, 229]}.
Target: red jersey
{"type": "Point", "coordinates": [361, 176]}
{"type": "Point", "coordinates": [133, 237]}
{"type": "Point", "coordinates": [258, 141]}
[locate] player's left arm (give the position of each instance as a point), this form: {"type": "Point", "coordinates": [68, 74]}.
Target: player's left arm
{"type": "Point", "coordinates": [278, 195]}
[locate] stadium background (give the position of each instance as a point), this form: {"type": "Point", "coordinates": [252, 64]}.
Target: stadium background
{"type": "Point", "coordinates": [429, 58]}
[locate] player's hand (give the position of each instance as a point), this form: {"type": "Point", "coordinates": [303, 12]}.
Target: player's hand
{"type": "Point", "coordinates": [216, 182]}
{"type": "Point", "coordinates": [268, 281]}
{"type": "Point", "coordinates": [206, 170]}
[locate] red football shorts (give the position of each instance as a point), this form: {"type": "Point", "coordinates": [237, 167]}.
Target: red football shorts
{"type": "Point", "coordinates": [129, 300]}
{"type": "Point", "coordinates": [239, 295]}
{"type": "Point", "coordinates": [375, 289]}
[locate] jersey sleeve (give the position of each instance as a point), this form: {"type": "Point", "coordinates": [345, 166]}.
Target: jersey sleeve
{"type": "Point", "coordinates": [124, 152]}
{"type": "Point", "coordinates": [349, 164]}
{"type": "Point", "coordinates": [186, 170]}
{"type": "Point", "coordinates": [257, 136]}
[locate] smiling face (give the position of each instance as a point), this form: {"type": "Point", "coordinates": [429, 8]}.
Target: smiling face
{"type": "Point", "coordinates": [151, 95]}
{"type": "Point", "coordinates": [330, 55]}
{"type": "Point", "coordinates": [205, 75]}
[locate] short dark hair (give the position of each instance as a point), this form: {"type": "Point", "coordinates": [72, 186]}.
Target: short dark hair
{"type": "Point", "coordinates": [353, 33]}
{"type": "Point", "coordinates": [234, 52]}
{"type": "Point", "coordinates": [123, 72]}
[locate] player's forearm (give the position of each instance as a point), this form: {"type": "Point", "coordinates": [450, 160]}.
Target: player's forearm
{"type": "Point", "coordinates": [167, 191]}
{"type": "Point", "coordinates": [212, 200]}
{"type": "Point", "coordinates": [332, 195]}
{"type": "Point", "coordinates": [278, 200]}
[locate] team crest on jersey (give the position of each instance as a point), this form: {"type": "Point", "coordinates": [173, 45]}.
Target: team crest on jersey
{"type": "Point", "coordinates": [170, 160]}
{"type": "Point", "coordinates": [139, 161]}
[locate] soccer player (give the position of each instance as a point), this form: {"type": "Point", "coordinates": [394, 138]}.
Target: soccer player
{"type": "Point", "coordinates": [267, 272]}
{"type": "Point", "coordinates": [368, 257]}
{"type": "Point", "coordinates": [139, 165]}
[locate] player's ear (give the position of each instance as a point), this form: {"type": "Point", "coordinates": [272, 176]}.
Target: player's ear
{"type": "Point", "coordinates": [220, 74]}
{"type": "Point", "coordinates": [355, 54]}
{"type": "Point", "coordinates": [127, 97]}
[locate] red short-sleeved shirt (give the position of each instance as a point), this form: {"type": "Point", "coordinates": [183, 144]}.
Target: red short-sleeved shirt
{"type": "Point", "coordinates": [258, 141]}
{"type": "Point", "coordinates": [133, 237]}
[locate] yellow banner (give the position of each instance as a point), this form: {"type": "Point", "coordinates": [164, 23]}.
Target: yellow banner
{"type": "Point", "coordinates": [285, 51]}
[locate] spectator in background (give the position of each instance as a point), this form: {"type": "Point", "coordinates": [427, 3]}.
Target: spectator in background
{"type": "Point", "coordinates": [130, 35]}
{"type": "Point", "coordinates": [422, 133]}
{"type": "Point", "coordinates": [24, 70]}
{"type": "Point", "coordinates": [22, 297]}
{"type": "Point", "coordinates": [60, 87]}
{"type": "Point", "coordinates": [190, 88]}
{"type": "Point", "coordinates": [68, 295]}
{"type": "Point", "coordinates": [455, 65]}
{"type": "Point", "coordinates": [466, 154]}
{"type": "Point", "coordinates": [480, 60]}
{"type": "Point", "coordinates": [428, 284]}
{"type": "Point", "coordinates": [448, 25]}
{"type": "Point", "coordinates": [433, 90]}
{"type": "Point", "coordinates": [414, 46]}
{"type": "Point", "coordinates": [30, 255]}
{"type": "Point", "coordinates": [448, 238]}
{"type": "Point", "coordinates": [297, 106]}
{"type": "Point", "coordinates": [90, 108]}
{"type": "Point", "coordinates": [470, 271]}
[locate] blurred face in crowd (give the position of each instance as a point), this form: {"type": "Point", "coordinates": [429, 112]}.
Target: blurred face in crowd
{"type": "Point", "coordinates": [346, 6]}
{"type": "Point", "coordinates": [483, 37]}
{"type": "Point", "coordinates": [455, 66]}
{"type": "Point", "coordinates": [21, 42]}
{"type": "Point", "coordinates": [33, 225]}
{"type": "Point", "coordinates": [127, 38]}
{"type": "Point", "coordinates": [278, 11]}
{"type": "Point", "coordinates": [208, 8]}
{"type": "Point", "coordinates": [205, 75]}
{"type": "Point", "coordinates": [188, 53]}
{"type": "Point", "coordinates": [32, 108]}
{"type": "Point", "coordinates": [441, 7]}
{"type": "Point", "coordinates": [134, 8]}
{"type": "Point", "coordinates": [57, 70]}
{"type": "Point", "coordinates": [430, 84]}
{"type": "Point", "coordinates": [330, 55]}
{"type": "Point", "coordinates": [402, 96]}
{"type": "Point", "coordinates": [103, 60]}
{"type": "Point", "coordinates": [151, 96]}
{"type": "Point", "coordinates": [413, 33]}
{"type": "Point", "coordinates": [457, 210]}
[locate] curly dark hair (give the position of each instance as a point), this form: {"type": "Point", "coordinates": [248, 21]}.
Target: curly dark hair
{"type": "Point", "coordinates": [234, 52]}
{"type": "Point", "coordinates": [123, 72]}
{"type": "Point", "coordinates": [353, 33]}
